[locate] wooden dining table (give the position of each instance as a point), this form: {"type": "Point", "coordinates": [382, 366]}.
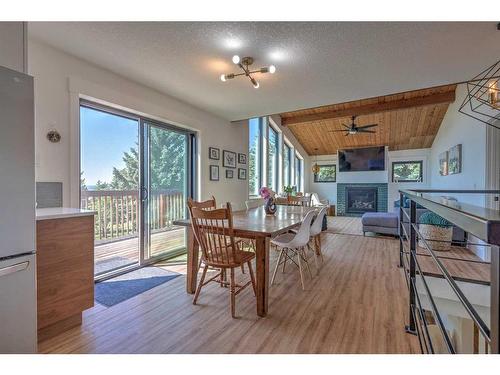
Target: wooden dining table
{"type": "Point", "coordinates": [253, 224]}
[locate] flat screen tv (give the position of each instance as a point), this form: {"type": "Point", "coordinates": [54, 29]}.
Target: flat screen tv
{"type": "Point", "coordinates": [362, 159]}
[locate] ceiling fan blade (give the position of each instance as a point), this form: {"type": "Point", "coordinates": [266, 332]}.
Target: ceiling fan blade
{"type": "Point", "coordinates": [367, 126]}
{"type": "Point", "coordinates": [337, 130]}
{"type": "Point", "coordinates": [347, 134]}
{"type": "Point", "coordinates": [366, 131]}
{"type": "Point", "coordinates": [346, 126]}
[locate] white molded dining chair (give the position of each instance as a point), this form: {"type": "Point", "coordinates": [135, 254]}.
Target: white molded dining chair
{"type": "Point", "coordinates": [292, 244]}
{"type": "Point", "coordinates": [254, 203]}
{"type": "Point", "coordinates": [315, 235]}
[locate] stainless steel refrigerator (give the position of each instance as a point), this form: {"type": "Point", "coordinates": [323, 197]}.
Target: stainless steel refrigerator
{"type": "Point", "coordinates": [18, 332]}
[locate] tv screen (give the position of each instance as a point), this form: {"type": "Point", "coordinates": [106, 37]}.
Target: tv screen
{"type": "Point", "coordinates": [362, 159]}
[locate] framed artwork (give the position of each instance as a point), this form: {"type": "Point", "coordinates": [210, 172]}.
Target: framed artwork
{"type": "Point", "coordinates": [455, 159]}
{"type": "Point", "coordinates": [228, 159]}
{"type": "Point", "coordinates": [214, 173]}
{"type": "Point", "coordinates": [242, 173]}
{"type": "Point", "coordinates": [242, 158]}
{"type": "Point", "coordinates": [327, 173]}
{"type": "Point", "coordinates": [213, 153]}
{"type": "Point", "coordinates": [443, 163]}
{"type": "Point", "coordinates": [229, 173]}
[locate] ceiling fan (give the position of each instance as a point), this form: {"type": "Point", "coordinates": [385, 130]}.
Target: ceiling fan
{"type": "Point", "coordinates": [352, 129]}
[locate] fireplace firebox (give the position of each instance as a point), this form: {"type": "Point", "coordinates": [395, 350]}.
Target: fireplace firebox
{"type": "Point", "coordinates": [360, 199]}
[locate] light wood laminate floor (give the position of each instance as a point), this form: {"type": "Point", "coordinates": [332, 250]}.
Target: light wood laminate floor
{"type": "Point", "coordinates": [357, 304]}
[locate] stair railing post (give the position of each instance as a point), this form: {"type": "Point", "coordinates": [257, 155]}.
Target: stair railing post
{"type": "Point", "coordinates": [495, 300]}
{"type": "Point", "coordinates": [401, 231]}
{"type": "Point", "coordinates": [411, 328]}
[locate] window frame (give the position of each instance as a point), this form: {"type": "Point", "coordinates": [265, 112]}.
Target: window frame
{"type": "Point", "coordinates": [276, 181]}
{"type": "Point", "coordinates": [259, 167]}
{"type": "Point", "coordinates": [299, 165]}
{"type": "Point", "coordinates": [287, 145]}
{"type": "Point", "coordinates": [325, 182]}
{"type": "Point", "coordinates": [399, 162]}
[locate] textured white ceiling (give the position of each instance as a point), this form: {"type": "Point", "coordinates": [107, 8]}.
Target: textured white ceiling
{"type": "Point", "coordinates": [317, 63]}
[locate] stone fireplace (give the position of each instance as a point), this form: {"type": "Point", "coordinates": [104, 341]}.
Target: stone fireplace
{"type": "Point", "coordinates": [354, 199]}
{"type": "Point", "coordinates": [360, 199]}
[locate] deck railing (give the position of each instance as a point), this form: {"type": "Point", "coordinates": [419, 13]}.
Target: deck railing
{"type": "Point", "coordinates": [118, 211]}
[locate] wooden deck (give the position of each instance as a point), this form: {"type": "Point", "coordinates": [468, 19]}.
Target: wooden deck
{"type": "Point", "coordinates": [124, 252]}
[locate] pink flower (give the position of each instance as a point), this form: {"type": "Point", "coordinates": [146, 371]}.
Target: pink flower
{"type": "Point", "coordinates": [266, 193]}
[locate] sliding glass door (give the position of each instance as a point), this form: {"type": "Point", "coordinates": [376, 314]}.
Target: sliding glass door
{"type": "Point", "coordinates": [137, 175]}
{"type": "Point", "coordinates": [166, 181]}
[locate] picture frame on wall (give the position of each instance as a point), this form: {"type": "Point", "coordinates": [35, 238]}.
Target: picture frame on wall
{"type": "Point", "coordinates": [229, 173]}
{"type": "Point", "coordinates": [443, 163]}
{"type": "Point", "coordinates": [214, 173]}
{"type": "Point", "coordinates": [214, 153]}
{"type": "Point", "coordinates": [242, 158]}
{"type": "Point", "coordinates": [228, 159]}
{"type": "Point", "coordinates": [455, 159]}
{"type": "Point", "coordinates": [242, 173]}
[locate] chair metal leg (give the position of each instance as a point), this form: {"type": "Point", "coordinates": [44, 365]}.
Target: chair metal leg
{"type": "Point", "coordinates": [277, 265]}
{"type": "Point", "coordinates": [252, 277]}
{"type": "Point", "coordinates": [233, 294]}
{"type": "Point", "coordinates": [300, 270]}
{"type": "Point", "coordinates": [198, 289]}
{"type": "Point", "coordinates": [243, 268]}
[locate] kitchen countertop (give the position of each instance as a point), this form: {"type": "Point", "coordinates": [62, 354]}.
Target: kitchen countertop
{"type": "Point", "coordinates": [60, 213]}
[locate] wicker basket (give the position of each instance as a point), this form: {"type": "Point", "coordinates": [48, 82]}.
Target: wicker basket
{"type": "Point", "coordinates": [433, 232]}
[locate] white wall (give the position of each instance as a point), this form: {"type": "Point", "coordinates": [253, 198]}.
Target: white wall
{"type": "Point", "coordinates": [13, 45]}
{"type": "Point", "coordinates": [329, 190]}
{"type": "Point", "coordinates": [457, 128]}
{"type": "Point", "coordinates": [61, 79]}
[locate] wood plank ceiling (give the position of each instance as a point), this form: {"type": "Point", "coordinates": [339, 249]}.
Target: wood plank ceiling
{"type": "Point", "coordinates": [406, 120]}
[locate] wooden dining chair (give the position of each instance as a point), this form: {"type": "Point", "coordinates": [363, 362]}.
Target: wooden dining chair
{"type": "Point", "coordinates": [209, 204]}
{"type": "Point", "coordinates": [215, 234]}
{"type": "Point", "coordinates": [295, 201]}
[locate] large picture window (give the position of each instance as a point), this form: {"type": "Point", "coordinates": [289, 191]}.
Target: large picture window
{"type": "Point", "coordinates": [407, 171]}
{"type": "Point", "coordinates": [255, 156]}
{"type": "Point", "coordinates": [298, 172]}
{"type": "Point", "coordinates": [287, 165]}
{"type": "Point", "coordinates": [273, 155]}
{"type": "Point", "coordinates": [272, 159]}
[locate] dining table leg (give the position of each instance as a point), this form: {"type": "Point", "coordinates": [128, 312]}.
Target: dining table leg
{"type": "Point", "coordinates": [192, 261]}
{"type": "Point", "coordinates": [262, 274]}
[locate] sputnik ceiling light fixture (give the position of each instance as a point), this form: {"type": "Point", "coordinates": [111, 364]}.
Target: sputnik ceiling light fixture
{"type": "Point", "coordinates": [244, 64]}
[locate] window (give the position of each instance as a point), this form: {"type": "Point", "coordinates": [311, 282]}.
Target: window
{"type": "Point", "coordinates": [327, 173]}
{"type": "Point", "coordinates": [255, 156]}
{"type": "Point", "coordinates": [287, 164]}
{"type": "Point", "coordinates": [298, 172]}
{"type": "Point", "coordinates": [407, 171]}
{"type": "Point", "coordinates": [272, 165]}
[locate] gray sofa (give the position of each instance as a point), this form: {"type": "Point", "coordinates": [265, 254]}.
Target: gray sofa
{"type": "Point", "coordinates": [380, 222]}
{"type": "Point", "coordinates": [388, 222]}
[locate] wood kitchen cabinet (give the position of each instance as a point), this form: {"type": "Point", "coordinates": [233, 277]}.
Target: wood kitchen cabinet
{"type": "Point", "coordinates": [65, 272]}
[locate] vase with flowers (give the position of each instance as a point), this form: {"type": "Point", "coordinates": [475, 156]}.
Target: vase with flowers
{"type": "Point", "coordinates": [268, 195]}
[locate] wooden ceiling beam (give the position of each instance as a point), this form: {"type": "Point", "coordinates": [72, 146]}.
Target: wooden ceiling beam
{"type": "Point", "coordinates": [433, 99]}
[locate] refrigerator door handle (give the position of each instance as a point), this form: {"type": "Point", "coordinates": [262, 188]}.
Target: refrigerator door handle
{"type": "Point", "coordinates": [14, 268]}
